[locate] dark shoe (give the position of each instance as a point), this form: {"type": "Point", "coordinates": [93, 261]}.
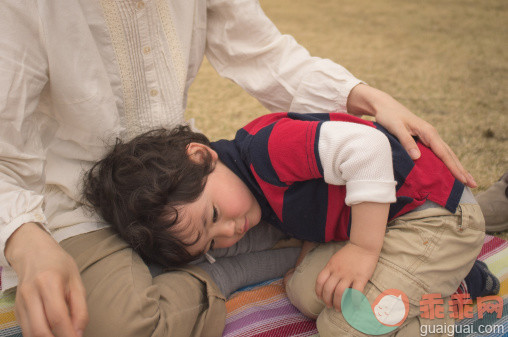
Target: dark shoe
{"type": "Point", "coordinates": [491, 282]}
{"type": "Point", "coordinates": [494, 205]}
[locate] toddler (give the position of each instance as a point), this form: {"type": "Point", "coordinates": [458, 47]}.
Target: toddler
{"type": "Point", "coordinates": [382, 220]}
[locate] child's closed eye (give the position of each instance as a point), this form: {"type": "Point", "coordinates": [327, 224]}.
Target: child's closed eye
{"type": "Point", "coordinates": [215, 214]}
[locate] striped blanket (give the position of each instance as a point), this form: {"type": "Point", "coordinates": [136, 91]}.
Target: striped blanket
{"type": "Point", "coordinates": [264, 309]}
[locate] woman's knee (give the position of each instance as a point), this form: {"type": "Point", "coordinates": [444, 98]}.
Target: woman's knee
{"type": "Point", "coordinates": [124, 300]}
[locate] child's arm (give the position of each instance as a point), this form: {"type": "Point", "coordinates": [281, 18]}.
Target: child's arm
{"type": "Point", "coordinates": [353, 265]}
{"type": "Point", "coordinates": [359, 157]}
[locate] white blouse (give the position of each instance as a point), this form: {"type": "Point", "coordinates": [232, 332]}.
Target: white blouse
{"type": "Point", "coordinates": [76, 74]}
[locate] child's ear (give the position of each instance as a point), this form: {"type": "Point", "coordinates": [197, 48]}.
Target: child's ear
{"type": "Point", "coordinates": [198, 151]}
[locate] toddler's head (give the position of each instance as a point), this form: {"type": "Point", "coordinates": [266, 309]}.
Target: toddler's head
{"type": "Point", "coordinates": [140, 185]}
{"type": "Point", "coordinates": [170, 197]}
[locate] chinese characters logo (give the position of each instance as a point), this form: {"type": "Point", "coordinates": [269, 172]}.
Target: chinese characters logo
{"type": "Point", "coordinates": [460, 306]}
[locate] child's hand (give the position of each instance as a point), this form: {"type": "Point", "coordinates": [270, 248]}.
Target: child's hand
{"type": "Point", "coordinates": [351, 267]}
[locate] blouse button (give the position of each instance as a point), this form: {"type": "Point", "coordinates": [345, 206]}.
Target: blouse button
{"type": "Point", "coordinates": [140, 5]}
{"type": "Point", "coordinates": [154, 92]}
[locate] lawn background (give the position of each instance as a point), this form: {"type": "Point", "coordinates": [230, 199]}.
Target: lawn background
{"type": "Point", "coordinates": [446, 60]}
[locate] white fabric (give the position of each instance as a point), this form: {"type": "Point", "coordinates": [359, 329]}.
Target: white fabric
{"type": "Point", "coordinates": [359, 157]}
{"type": "Point", "coordinates": [76, 74]}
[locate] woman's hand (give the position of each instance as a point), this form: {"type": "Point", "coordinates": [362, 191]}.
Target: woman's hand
{"type": "Point", "coordinates": [50, 298]}
{"type": "Point", "coordinates": [403, 124]}
{"type": "Point", "coordinates": [351, 267]}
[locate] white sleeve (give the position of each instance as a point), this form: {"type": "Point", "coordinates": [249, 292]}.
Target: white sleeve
{"type": "Point", "coordinates": [359, 157]}
{"type": "Point", "coordinates": [246, 47]}
{"type": "Point", "coordinates": [23, 66]}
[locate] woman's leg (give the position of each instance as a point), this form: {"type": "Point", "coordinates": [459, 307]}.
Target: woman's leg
{"type": "Point", "coordinates": [124, 300]}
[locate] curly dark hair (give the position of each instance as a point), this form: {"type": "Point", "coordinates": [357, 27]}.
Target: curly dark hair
{"type": "Point", "coordinates": [139, 185]}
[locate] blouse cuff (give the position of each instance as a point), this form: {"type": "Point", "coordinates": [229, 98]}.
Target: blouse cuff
{"type": "Point", "coordinates": [325, 89]}
{"type": "Point", "coordinates": [8, 279]}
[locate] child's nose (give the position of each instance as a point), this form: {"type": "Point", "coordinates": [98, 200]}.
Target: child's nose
{"type": "Point", "coordinates": [228, 228]}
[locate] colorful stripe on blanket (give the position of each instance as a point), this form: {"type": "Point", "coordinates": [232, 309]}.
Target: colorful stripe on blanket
{"type": "Point", "coordinates": [264, 309]}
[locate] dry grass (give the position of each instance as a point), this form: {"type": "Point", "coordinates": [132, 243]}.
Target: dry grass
{"type": "Point", "coordinates": [445, 60]}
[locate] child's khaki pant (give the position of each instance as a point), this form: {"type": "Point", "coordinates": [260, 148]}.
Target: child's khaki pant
{"type": "Point", "coordinates": [424, 252]}
{"type": "Point", "coordinates": [124, 300]}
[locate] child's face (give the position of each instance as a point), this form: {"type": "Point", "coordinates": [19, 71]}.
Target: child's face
{"type": "Point", "coordinates": [222, 214]}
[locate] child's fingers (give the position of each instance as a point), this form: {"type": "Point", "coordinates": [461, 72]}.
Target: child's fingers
{"type": "Point", "coordinates": [320, 282]}
{"type": "Point", "coordinates": [339, 291]}
{"type": "Point", "coordinates": [359, 284]}
{"type": "Point", "coordinates": [329, 290]}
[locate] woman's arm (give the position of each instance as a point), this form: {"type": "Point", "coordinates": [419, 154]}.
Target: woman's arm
{"type": "Point", "coordinates": [50, 299]}
{"type": "Point", "coordinates": [246, 47]}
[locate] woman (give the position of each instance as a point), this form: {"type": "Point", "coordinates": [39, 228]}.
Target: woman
{"type": "Point", "coordinates": [76, 75]}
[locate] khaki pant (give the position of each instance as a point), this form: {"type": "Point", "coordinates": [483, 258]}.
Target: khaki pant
{"type": "Point", "coordinates": [124, 300]}
{"type": "Point", "coordinates": [424, 252]}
